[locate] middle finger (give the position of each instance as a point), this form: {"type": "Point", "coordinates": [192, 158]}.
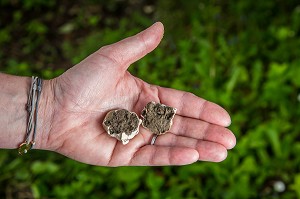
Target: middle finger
{"type": "Point", "coordinates": [198, 129]}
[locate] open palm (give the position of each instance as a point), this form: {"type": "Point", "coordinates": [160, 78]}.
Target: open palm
{"type": "Point", "coordinates": [100, 83]}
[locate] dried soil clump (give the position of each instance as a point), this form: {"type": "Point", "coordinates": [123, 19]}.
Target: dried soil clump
{"type": "Point", "coordinates": [158, 117]}
{"type": "Point", "coordinates": [122, 124]}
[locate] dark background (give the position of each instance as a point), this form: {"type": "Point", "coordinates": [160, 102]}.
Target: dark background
{"type": "Point", "coordinates": [243, 55]}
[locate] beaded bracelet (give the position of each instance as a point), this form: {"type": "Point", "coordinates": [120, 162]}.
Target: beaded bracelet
{"type": "Point", "coordinates": [32, 109]}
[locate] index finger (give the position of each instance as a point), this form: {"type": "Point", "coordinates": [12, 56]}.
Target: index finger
{"type": "Point", "coordinates": [189, 105]}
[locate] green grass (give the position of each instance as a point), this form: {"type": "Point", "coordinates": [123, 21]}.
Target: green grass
{"type": "Point", "coordinates": [243, 55]}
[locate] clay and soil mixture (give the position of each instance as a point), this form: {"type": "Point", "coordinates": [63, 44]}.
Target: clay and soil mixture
{"type": "Point", "coordinates": [158, 117]}
{"type": "Point", "coordinates": [122, 124]}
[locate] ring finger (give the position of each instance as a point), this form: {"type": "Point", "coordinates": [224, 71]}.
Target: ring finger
{"type": "Point", "coordinates": [208, 151]}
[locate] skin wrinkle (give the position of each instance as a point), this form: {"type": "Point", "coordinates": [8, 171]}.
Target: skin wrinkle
{"type": "Point", "coordinates": [117, 88]}
{"type": "Point", "coordinates": [179, 140]}
{"type": "Point", "coordinates": [112, 153]}
{"type": "Point", "coordinates": [206, 130]}
{"type": "Point", "coordinates": [154, 90]}
{"type": "Point", "coordinates": [202, 108]}
{"type": "Point", "coordinates": [170, 156]}
{"type": "Point", "coordinates": [61, 148]}
{"type": "Point", "coordinates": [81, 104]}
{"type": "Point", "coordinates": [149, 91]}
{"type": "Point", "coordinates": [158, 93]}
{"type": "Point", "coordinates": [140, 91]}
{"type": "Point", "coordinates": [63, 133]}
{"type": "Point", "coordinates": [64, 142]}
{"type": "Point", "coordinates": [47, 115]}
{"type": "Point", "coordinates": [89, 94]}
{"type": "Point", "coordinates": [67, 142]}
{"type": "Point", "coordinates": [182, 128]}
{"type": "Point", "coordinates": [133, 157]}
{"type": "Point", "coordinates": [143, 41]}
{"type": "Point", "coordinates": [94, 66]}
{"type": "Point", "coordinates": [136, 147]}
{"type": "Point", "coordinates": [182, 101]}
{"type": "Point", "coordinates": [118, 82]}
{"type": "Point", "coordinates": [53, 91]}
{"type": "Point", "coordinates": [105, 156]}
{"type": "Point", "coordinates": [195, 142]}
{"type": "Point", "coordinates": [202, 134]}
{"type": "Point", "coordinates": [144, 139]}
{"type": "Point", "coordinates": [133, 153]}
{"type": "Point", "coordinates": [198, 146]}
{"type": "Point", "coordinates": [174, 141]}
{"type": "Point", "coordinates": [61, 91]}
{"type": "Point", "coordinates": [153, 154]}
{"type": "Point", "coordinates": [44, 135]}
{"type": "Point", "coordinates": [107, 55]}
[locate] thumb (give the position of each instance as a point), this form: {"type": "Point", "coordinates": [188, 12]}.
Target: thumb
{"type": "Point", "coordinates": [131, 49]}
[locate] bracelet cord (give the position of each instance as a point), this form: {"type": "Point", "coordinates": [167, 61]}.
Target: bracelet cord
{"type": "Point", "coordinates": [32, 109]}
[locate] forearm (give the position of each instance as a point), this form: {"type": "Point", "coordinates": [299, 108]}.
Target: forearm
{"type": "Point", "coordinates": [13, 115]}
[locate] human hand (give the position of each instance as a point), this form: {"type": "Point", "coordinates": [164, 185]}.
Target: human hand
{"type": "Point", "coordinates": [83, 95]}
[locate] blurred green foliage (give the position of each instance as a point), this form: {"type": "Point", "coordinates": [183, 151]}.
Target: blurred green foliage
{"type": "Point", "coordinates": [243, 55]}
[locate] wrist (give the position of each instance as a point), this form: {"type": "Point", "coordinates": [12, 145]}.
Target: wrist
{"type": "Point", "coordinates": [45, 116]}
{"type": "Point", "coordinates": [14, 116]}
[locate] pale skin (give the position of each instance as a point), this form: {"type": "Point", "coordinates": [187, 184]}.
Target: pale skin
{"type": "Point", "coordinates": [73, 105]}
